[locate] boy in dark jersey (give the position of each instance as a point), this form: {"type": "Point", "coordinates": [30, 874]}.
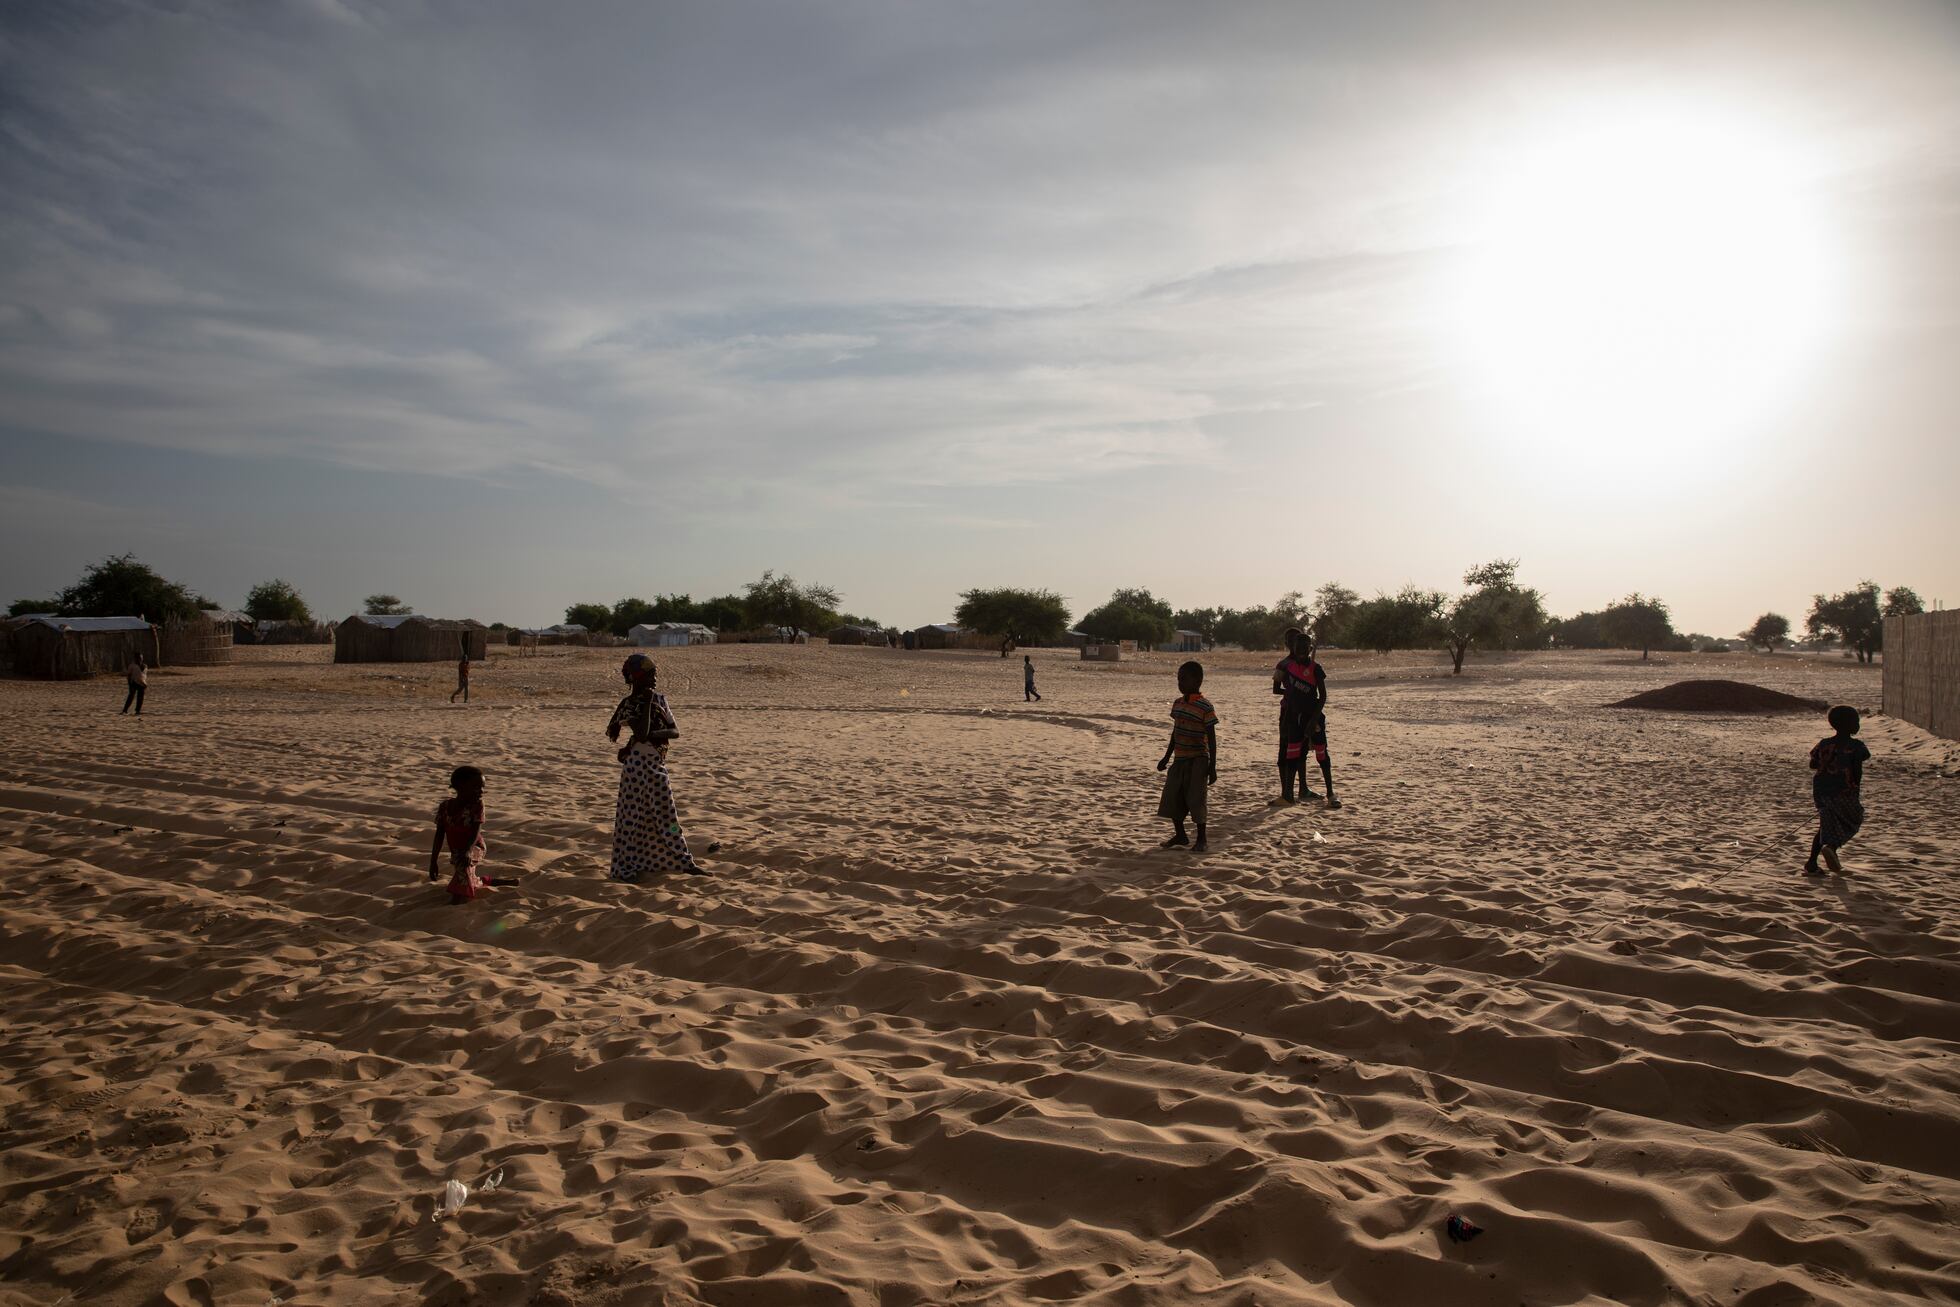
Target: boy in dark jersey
{"type": "Point", "coordinates": [1839, 761]}
{"type": "Point", "coordinates": [1302, 683]}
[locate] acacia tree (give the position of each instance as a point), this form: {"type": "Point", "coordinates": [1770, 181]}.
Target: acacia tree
{"type": "Point", "coordinates": [1023, 616]}
{"type": "Point", "coordinates": [276, 601]}
{"type": "Point", "coordinates": [1767, 632]}
{"type": "Point", "coordinates": [20, 606]}
{"type": "Point", "coordinates": [593, 617]}
{"type": "Point", "coordinates": [1408, 619]}
{"type": "Point", "coordinates": [781, 601]}
{"type": "Point", "coordinates": [1637, 622]}
{"type": "Point", "coordinates": [1903, 601]}
{"type": "Point", "coordinates": [1133, 614]}
{"type": "Point", "coordinates": [120, 586]}
{"type": "Point", "coordinates": [384, 606]}
{"type": "Point", "coordinates": [1853, 617]}
{"type": "Point", "coordinates": [1495, 613]}
{"type": "Point", "coordinates": [1333, 605]}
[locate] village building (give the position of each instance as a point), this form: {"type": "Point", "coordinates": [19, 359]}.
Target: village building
{"type": "Point", "coordinates": [408, 638]}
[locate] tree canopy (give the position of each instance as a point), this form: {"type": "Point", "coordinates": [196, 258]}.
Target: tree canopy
{"type": "Point", "coordinates": [1853, 617]}
{"type": "Point", "coordinates": [21, 606]}
{"type": "Point", "coordinates": [1903, 601]}
{"type": "Point", "coordinates": [1025, 616]}
{"type": "Point", "coordinates": [593, 617]}
{"type": "Point", "coordinates": [121, 586]}
{"type": "Point", "coordinates": [1495, 613]}
{"type": "Point", "coordinates": [782, 601]}
{"type": "Point", "coordinates": [1637, 622]}
{"type": "Point", "coordinates": [384, 606]}
{"type": "Point", "coordinates": [1411, 618]}
{"type": "Point", "coordinates": [1767, 632]}
{"type": "Point", "coordinates": [276, 601]}
{"type": "Point", "coordinates": [1132, 614]}
{"type": "Point", "coordinates": [1333, 605]}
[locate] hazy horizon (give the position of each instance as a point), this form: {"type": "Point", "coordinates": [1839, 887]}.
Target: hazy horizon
{"type": "Point", "coordinates": [501, 309]}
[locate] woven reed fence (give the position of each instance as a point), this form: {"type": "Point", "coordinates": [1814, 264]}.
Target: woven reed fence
{"type": "Point", "coordinates": [1922, 671]}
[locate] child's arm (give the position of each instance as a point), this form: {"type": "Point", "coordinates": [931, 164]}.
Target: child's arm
{"type": "Point", "coordinates": [1211, 753]}
{"type": "Point", "coordinates": [1169, 744]}
{"type": "Point", "coordinates": [435, 852]}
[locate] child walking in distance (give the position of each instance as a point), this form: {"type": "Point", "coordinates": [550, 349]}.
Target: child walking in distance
{"type": "Point", "coordinates": [647, 837]}
{"type": "Point", "coordinates": [462, 679]}
{"type": "Point", "coordinates": [138, 673]}
{"type": "Point", "coordinates": [1027, 680]}
{"type": "Point", "coordinates": [1191, 758]}
{"type": "Point", "coordinates": [459, 824]}
{"type": "Point", "coordinates": [1839, 761]}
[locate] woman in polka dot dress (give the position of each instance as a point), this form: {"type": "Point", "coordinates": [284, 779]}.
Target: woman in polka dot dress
{"type": "Point", "coordinates": [647, 839]}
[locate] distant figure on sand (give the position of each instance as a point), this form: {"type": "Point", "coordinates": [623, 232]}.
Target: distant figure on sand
{"type": "Point", "coordinates": [459, 824]}
{"type": "Point", "coordinates": [1839, 761]}
{"type": "Point", "coordinates": [1302, 684]}
{"type": "Point", "coordinates": [1027, 680]}
{"type": "Point", "coordinates": [138, 673]}
{"type": "Point", "coordinates": [462, 679]}
{"type": "Point", "coordinates": [647, 839]}
{"type": "Point", "coordinates": [1191, 758]}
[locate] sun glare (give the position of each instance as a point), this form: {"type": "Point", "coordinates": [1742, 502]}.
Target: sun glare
{"type": "Point", "coordinates": [1659, 278]}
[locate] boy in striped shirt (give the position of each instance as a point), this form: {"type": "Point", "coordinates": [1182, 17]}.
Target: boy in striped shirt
{"type": "Point", "coordinates": [1191, 758]}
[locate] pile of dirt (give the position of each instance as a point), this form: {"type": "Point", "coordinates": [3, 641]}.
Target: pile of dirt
{"type": "Point", "coordinates": [1719, 696]}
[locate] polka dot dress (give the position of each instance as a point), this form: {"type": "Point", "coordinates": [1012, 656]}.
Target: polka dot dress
{"type": "Point", "coordinates": [647, 839]}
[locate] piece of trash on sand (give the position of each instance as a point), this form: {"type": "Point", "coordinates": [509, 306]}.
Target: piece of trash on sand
{"type": "Point", "coordinates": [454, 1195]}
{"type": "Point", "coordinates": [1318, 838]}
{"type": "Point", "coordinates": [490, 1186]}
{"type": "Point", "coordinates": [1461, 1230]}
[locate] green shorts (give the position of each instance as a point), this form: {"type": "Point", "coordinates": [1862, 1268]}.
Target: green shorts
{"type": "Point", "coordinates": [1184, 790]}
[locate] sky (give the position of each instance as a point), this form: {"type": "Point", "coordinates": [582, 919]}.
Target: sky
{"type": "Point", "coordinates": [500, 307]}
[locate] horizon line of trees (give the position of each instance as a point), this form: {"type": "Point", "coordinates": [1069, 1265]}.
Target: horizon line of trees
{"type": "Point", "coordinates": [1492, 612]}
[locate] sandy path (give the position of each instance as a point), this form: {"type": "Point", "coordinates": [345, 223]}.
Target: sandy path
{"type": "Point", "coordinates": [947, 1028]}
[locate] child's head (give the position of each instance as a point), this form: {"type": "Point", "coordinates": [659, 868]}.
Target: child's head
{"type": "Point", "coordinates": [467, 782]}
{"type": "Point", "coordinates": [639, 670]}
{"type": "Point", "coordinates": [1843, 719]}
{"type": "Point", "coordinates": [1191, 677]}
{"type": "Point", "coordinates": [1293, 637]}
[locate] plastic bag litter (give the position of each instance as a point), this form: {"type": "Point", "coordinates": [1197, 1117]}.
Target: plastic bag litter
{"type": "Point", "coordinates": [454, 1195]}
{"type": "Point", "coordinates": [490, 1186]}
{"type": "Point", "coordinates": [1318, 838]}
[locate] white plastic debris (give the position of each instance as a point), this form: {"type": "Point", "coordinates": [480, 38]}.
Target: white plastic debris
{"type": "Point", "coordinates": [1318, 838]}
{"type": "Point", "coordinates": [490, 1186]}
{"type": "Point", "coordinates": [454, 1195]}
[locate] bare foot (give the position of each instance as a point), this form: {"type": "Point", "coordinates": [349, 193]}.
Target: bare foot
{"type": "Point", "coordinates": [1175, 842]}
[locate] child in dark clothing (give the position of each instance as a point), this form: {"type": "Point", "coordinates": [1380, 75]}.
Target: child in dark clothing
{"type": "Point", "coordinates": [1839, 761]}
{"type": "Point", "coordinates": [459, 822]}
{"type": "Point", "coordinates": [1027, 684]}
{"type": "Point", "coordinates": [1302, 718]}
{"type": "Point", "coordinates": [1191, 758]}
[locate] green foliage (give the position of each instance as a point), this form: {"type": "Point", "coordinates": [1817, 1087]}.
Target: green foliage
{"type": "Point", "coordinates": [1333, 605]}
{"type": "Point", "coordinates": [384, 606]}
{"type": "Point", "coordinates": [1903, 601]}
{"type": "Point", "coordinates": [1582, 631]}
{"type": "Point", "coordinates": [1026, 616]}
{"type": "Point", "coordinates": [1637, 622]}
{"type": "Point", "coordinates": [1202, 620]}
{"type": "Point", "coordinates": [1130, 615]}
{"type": "Point", "coordinates": [723, 613]}
{"type": "Point", "coordinates": [20, 606]}
{"type": "Point", "coordinates": [853, 619]}
{"type": "Point", "coordinates": [1853, 617]}
{"type": "Point", "coordinates": [780, 601]}
{"type": "Point", "coordinates": [1768, 632]}
{"type": "Point", "coordinates": [1496, 613]}
{"type": "Point", "coordinates": [276, 601]}
{"type": "Point", "coordinates": [1408, 619]}
{"type": "Point", "coordinates": [593, 617]}
{"type": "Point", "coordinates": [120, 586]}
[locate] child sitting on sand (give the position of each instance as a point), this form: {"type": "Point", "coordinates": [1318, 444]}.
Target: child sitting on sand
{"type": "Point", "coordinates": [460, 822]}
{"type": "Point", "coordinates": [1191, 758]}
{"type": "Point", "coordinates": [1839, 761]}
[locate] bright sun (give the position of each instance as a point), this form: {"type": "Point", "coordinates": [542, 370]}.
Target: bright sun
{"type": "Point", "coordinates": [1655, 277]}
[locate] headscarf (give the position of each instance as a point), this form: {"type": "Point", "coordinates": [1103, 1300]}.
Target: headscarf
{"type": "Point", "coordinates": [638, 668]}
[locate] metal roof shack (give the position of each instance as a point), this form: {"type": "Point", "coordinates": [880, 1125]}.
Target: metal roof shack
{"type": "Point", "coordinates": [71, 648]}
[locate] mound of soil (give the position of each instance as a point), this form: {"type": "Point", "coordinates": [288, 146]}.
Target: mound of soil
{"type": "Point", "coordinates": [1718, 696]}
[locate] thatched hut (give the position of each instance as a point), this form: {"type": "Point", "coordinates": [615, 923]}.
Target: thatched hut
{"type": "Point", "coordinates": [1187, 642]}
{"type": "Point", "coordinates": [292, 633]}
{"type": "Point", "coordinates": [857, 635]}
{"type": "Point", "coordinates": [70, 648]}
{"type": "Point", "coordinates": [201, 641]}
{"type": "Point", "coordinates": [408, 638]}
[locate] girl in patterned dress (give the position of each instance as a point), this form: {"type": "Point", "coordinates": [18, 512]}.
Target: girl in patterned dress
{"type": "Point", "coordinates": [1839, 761]}
{"type": "Point", "coordinates": [647, 839]}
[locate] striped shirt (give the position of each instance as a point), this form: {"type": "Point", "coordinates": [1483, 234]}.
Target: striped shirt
{"type": "Point", "coordinates": [1190, 715]}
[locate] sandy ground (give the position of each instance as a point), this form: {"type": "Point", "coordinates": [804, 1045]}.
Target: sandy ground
{"type": "Point", "coordinates": [946, 1028]}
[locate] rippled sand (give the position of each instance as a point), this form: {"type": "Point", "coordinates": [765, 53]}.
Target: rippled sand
{"type": "Point", "coordinates": [946, 1028]}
